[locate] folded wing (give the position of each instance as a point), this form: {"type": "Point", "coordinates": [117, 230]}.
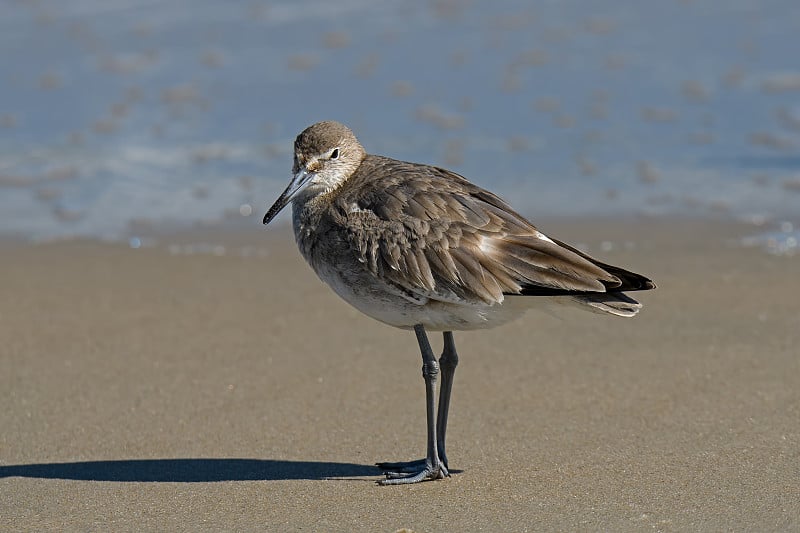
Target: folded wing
{"type": "Point", "coordinates": [434, 235]}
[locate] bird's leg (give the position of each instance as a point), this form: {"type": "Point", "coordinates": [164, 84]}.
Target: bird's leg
{"type": "Point", "coordinates": [432, 468]}
{"type": "Point", "coordinates": [448, 363]}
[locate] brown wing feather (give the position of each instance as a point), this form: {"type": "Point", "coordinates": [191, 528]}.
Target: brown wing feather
{"type": "Point", "coordinates": [433, 234]}
{"type": "Point", "coordinates": [631, 281]}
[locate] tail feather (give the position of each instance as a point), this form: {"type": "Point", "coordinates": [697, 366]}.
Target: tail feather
{"type": "Point", "coordinates": [615, 303]}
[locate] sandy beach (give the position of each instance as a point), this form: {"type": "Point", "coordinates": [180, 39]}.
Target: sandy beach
{"type": "Point", "coordinates": [149, 390]}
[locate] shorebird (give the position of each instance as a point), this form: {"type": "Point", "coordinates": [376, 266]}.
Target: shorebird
{"type": "Point", "coordinates": [419, 247]}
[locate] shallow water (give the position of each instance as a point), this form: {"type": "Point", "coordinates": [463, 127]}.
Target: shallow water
{"type": "Point", "coordinates": [120, 117]}
{"type": "Point", "coordinates": [783, 240]}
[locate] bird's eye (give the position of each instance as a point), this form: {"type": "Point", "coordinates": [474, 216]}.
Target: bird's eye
{"type": "Point", "coordinates": [335, 153]}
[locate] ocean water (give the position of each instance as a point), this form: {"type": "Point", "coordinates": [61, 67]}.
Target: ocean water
{"type": "Point", "coordinates": [118, 116]}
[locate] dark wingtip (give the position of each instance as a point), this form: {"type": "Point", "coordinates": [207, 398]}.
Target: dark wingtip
{"type": "Point", "coordinates": [637, 282]}
{"type": "Point", "coordinates": [631, 281]}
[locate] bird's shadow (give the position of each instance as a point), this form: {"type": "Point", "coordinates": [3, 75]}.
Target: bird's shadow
{"type": "Point", "coordinates": [190, 470]}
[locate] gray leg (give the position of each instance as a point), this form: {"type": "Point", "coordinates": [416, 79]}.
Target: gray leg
{"type": "Point", "coordinates": [433, 467]}
{"type": "Point", "coordinates": [448, 362]}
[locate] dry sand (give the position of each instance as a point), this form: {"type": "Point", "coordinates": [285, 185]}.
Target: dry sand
{"type": "Point", "coordinates": [143, 390]}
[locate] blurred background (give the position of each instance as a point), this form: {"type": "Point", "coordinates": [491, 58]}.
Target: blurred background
{"type": "Point", "coordinates": [122, 117]}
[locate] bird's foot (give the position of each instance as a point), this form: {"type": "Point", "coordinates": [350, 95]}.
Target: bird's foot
{"type": "Point", "coordinates": [411, 472]}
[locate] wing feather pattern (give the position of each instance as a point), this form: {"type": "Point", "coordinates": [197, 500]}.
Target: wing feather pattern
{"type": "Point", "coordinates": [433, 235]}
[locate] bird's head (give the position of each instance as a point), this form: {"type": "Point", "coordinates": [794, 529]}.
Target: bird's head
{"type": "Point", "coordinates": [325, 155]}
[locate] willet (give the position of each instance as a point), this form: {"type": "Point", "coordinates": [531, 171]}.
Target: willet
{"type": "Point", "coordinates": [419, 247]}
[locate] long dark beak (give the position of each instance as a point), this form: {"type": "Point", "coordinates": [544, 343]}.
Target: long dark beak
{"type": "Point", "coordinates": [286, 196]}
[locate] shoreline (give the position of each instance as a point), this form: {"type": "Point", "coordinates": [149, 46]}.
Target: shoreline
{"type": "Point", "coordinates": [577, 227]}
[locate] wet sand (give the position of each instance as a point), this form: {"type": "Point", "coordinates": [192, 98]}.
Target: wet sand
{"type": "Point", "coordinates": [144, 390]}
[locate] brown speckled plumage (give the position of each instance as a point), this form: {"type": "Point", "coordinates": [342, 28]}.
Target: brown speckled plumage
{"type": "Point", "coordinates": [431, 234]}
{"type": "Point", "coordinates": [418, 246]}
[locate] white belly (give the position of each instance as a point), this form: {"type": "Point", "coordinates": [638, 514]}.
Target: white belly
{"type": "Point", "coordinates": [374, 299]}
